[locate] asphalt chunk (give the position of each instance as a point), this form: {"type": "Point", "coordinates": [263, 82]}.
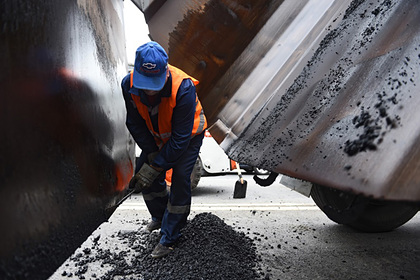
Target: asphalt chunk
{"type": "Point", "coordinates": [207, 249]}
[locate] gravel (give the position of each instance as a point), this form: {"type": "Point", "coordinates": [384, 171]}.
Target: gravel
{"type": "Point", "coordinates": [208, 249]}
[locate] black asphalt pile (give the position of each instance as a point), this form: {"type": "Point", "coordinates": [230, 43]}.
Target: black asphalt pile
{"type": "Point", "coordinates": [208, 249]}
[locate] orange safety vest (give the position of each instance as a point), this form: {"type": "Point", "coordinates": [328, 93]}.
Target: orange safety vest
{"type": "Point", "coordinates": [166, 108]}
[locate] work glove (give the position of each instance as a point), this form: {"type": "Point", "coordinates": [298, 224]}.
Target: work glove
{"type": "Point", "coordinates": [144, 178]}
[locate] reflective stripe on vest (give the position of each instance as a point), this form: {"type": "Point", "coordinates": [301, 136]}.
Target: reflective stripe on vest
{"type": "Point", "coordinates": [166, 108]}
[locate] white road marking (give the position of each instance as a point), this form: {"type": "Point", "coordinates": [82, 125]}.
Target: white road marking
{"type": "Point", "coordinates": [234, 207]}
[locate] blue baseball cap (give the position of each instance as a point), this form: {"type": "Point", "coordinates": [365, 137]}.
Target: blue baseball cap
{"type": "Point", "coordinates": [150, 67]}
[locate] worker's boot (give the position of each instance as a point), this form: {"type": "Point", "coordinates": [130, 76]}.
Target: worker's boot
{"type": "Point", "coordinates": [161, 251]}
{"type": "Point", "coordinates": [153, 225]}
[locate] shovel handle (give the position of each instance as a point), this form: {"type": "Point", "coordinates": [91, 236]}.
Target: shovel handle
{"type": "Point", "coordinates": [129, 193]}
{"type": "Point", "coordinates": [238, 168]}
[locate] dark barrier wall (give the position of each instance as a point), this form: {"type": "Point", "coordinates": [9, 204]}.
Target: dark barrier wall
{"type": "Point", "coordinates": [65, 154]}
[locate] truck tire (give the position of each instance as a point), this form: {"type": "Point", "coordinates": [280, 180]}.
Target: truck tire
{"type": "Point", "coordinates": [362, 213]}
{"type": "Point", "coordinates": [260, 171]}
{"type": "Point", "coordinates": [196, 173]}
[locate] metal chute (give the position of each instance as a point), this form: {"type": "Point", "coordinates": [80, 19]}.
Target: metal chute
{"type": "Point", "coordinates": [320, 91]}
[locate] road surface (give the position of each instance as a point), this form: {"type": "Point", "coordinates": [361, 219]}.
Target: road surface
{"type": "Point", "coordinates": [294, 239]}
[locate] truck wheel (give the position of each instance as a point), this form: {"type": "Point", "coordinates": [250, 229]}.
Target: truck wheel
{"type": "Point", "coordinates": [260, 171]}
{"type": "Point", "coordinates": [362, 213]}
{"type": "Point", "coordinates": [196, 173]}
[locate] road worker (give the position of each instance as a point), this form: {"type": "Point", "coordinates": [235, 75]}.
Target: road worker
{"type": "Point", "coordinates": [167, 122]}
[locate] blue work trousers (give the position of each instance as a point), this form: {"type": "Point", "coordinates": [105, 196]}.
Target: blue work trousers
{"type": "Point", "coordinates": [173, 207]}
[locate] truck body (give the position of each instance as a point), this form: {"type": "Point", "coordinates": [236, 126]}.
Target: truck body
{"type": "Point", "coordinates": [322, 91]}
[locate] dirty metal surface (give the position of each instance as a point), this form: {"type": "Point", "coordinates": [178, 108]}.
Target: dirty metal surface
{"type": "Point", "coordinates": [320, 92]}
{"type": "Point", "coordinates": [204, 38]}
{"type": "Point", "coordinates": [349, 119]}
{"type": "Point", "coordinates": [66, 156]}
{"type": "Point", "coordinates": [304, 24]}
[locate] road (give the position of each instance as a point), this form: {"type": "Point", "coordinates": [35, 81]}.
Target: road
{"type": "Point", "coordinates": [294, 239]}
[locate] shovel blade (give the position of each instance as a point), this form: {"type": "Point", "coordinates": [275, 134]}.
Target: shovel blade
{"type": "Point", "coordinates": [240, 189]}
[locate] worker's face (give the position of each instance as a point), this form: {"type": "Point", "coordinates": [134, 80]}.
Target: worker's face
{"type": "Point", "coordinates": [150, 92]}
{"type": "Point", "coordinates": [154, 92]}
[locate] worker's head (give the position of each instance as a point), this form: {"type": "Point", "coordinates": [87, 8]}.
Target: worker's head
{"type": "Point", "coordinates": [150, 67]}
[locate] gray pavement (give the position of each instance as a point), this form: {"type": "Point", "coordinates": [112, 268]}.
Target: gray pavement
{"type": "Point", "coordinates": [295, 240]}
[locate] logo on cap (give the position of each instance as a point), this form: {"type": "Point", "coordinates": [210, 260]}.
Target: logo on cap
{"type": "Point", "coordinates": [149, 68]}
{"type": "Point", "coordinates": [149, 65]}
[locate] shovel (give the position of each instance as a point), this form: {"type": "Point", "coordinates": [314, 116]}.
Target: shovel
{"type": "Point", "coordinates": [240, 185]}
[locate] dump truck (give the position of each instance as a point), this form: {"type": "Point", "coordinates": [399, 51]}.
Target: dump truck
{"type": "Point", "coordinates": [324, 92]}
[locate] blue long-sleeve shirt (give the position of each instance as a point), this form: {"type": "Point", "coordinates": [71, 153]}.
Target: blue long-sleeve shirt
{"type": "Point", "coordinates": [182, 121]}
